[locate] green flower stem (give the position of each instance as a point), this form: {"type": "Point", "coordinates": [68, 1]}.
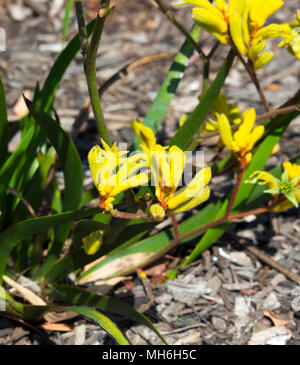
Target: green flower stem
{"type": "Point", "coordinates": [89, 52]}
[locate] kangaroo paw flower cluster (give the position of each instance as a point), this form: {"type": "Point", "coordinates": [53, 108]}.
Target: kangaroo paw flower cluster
{"type": "Point", "coordinates": [114, 173]}
{"type": "Point", "coordinates": [221, 106]}
{"type": "Point", "coordinates": [286, 190]}
{"type": "Point", "coordinates": [239, 23]}
{"type": "Point", "coordinates": [167, 166]}
{"type": "Point", "coordinates": [291, 37]}
{"type": "Point", "coordinates": [243, 140]}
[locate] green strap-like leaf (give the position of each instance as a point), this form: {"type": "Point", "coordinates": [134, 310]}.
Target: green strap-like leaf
{"type": "Point", "coordinates": [68, 155]}
{"type": "Point", "coordinates": [3, 125]}
{"type": "Point", "coordinates": [73, 174]}
{"type": "Point", "coordinates": [79, 296]}
{"type": "Point", "coordinates": [26, 229]}
{"type": "Point", "coordinates": [35, 313]}
{"type": "Point", "coordinates": [12, 162]}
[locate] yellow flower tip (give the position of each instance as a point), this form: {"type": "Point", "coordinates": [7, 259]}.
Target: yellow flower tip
{"type": "Point", "coordinates": [292, 169]}
{"type": "Point", "coordinates": [225, 131]}
{"type": "Point", "coordinates": [275, 149]}
{"type": "Point", "coordinates": [157, 212]}
{"type": "Point", "coordinates": [264, 59]}
{"type": "Point", "coordinates": [144, 133]}
{"type": "Point", "coordinates": [212, 21]}
{"type": "Point", "coordinates": [247, 159]}
{"type": "Point", "coordinates": [92, 242]}
{"type": "Point", "coordinates": [259, 13]}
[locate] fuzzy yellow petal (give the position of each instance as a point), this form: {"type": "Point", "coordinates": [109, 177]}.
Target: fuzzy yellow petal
{"type": "Point", "coordinates": [246, 24]}
{"type": "Point", "coordinates": [271, 31]}
{"type": "Point", "coordinates": [144, 133]}
{"type": "Point", "coordinates": [225, 131]}
{"type": "Point", "coordinates": [190, 203]}
{"type": "Point", "coordinates": [293, 170]}
{"type": "Point", "coordinates": [221, 4]}
{"type": "Point", "coordinates": [193, 191]}
{"type": "Point", "coordinates": [257, 46]}
{"type": "Point", "coordinates": [256, 135]}
{"type": "Point", "coordinates": [264, 59]}
{"type": "Point", "coordinates": [259, 12]}
{"type": "Point", "coordinates": [236, 31]}
{"type": "Point", "coordinates": [205, 4]}
{"type": "Point", "coordinates": [176, 159]}
{"type": "Point", "coordinates": [212, 22]}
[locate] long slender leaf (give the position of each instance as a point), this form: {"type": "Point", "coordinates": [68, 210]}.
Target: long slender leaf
{"type": "Point", "coordinates": [26, 229]}
{"type": "Point", "coordinates": [73, 174]}
{"type": "Point", "coordinates": [10, 165]}
{"type": "Point", "coordinates": [3, 125]}
{"type": "Point", "coordinates": [66, 21]}
{"type": "Point", "coordinates": [79, 296]}
{"type": "Point", "coordinates": [35, 313]}
{"type": "Point", "coordinates": [68, 156]}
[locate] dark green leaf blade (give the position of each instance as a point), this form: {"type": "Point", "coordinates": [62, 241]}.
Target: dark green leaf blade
{"type": "Point", "coordinates": [26, 229]}
{"type": "Point", "coordinates": [3, 125]}
{"type": "Point", "coordinates": [79, 296]}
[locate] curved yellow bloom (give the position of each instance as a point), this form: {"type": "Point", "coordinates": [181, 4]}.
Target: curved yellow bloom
{"type": "Point", "coordinates": [243, 140]}
{"type": "Point", "coordinates": [240, 22]}
{"type": "Point", "coordinates": [291, 37]}
{"type": "Point", "coordinates": [259, 12]}
{"type": "Point", "coordinates": [167, 166]}
{"type": "Point", "coordinates": [221, 106]}
{"type": "Point", "coordinates": [113, 173]}
{"type": "Point", "coordinates": [285, 191]}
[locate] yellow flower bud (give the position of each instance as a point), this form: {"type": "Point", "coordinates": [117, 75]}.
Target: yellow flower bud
{"type": "Point", "coordinates": [263, 59]}
{"type": "Point", "coordinates": [157, 212]}
{"type": "Point", "coordinates": [92, 242]}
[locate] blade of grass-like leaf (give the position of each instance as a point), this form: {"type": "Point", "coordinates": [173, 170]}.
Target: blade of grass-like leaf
{"type": "Point", "coordinates": [188, 130]}
{"type": "Point", "coordinates": [67, 153]}
{"type": "Point", "coordinates": [73, 174]}
{"type": "Point", "coordinates": [35, 313]}
{"type": "Point", "coordinates": [66, 21]}
{"type": "Point", "coordinates": [159, 107]}
{"type": "Point", "coordinates": [12, 162]}
{"type": "Point", "coordinates": [8, 303]}
{"type": "Point", "coordinates": [79, 296]}
{"type": "Point", "coordinates": [3, 125]}
{"type": "Point", "coordinates": [26, 229]}
{"type": "Point", "coordinates": [34, 192]}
